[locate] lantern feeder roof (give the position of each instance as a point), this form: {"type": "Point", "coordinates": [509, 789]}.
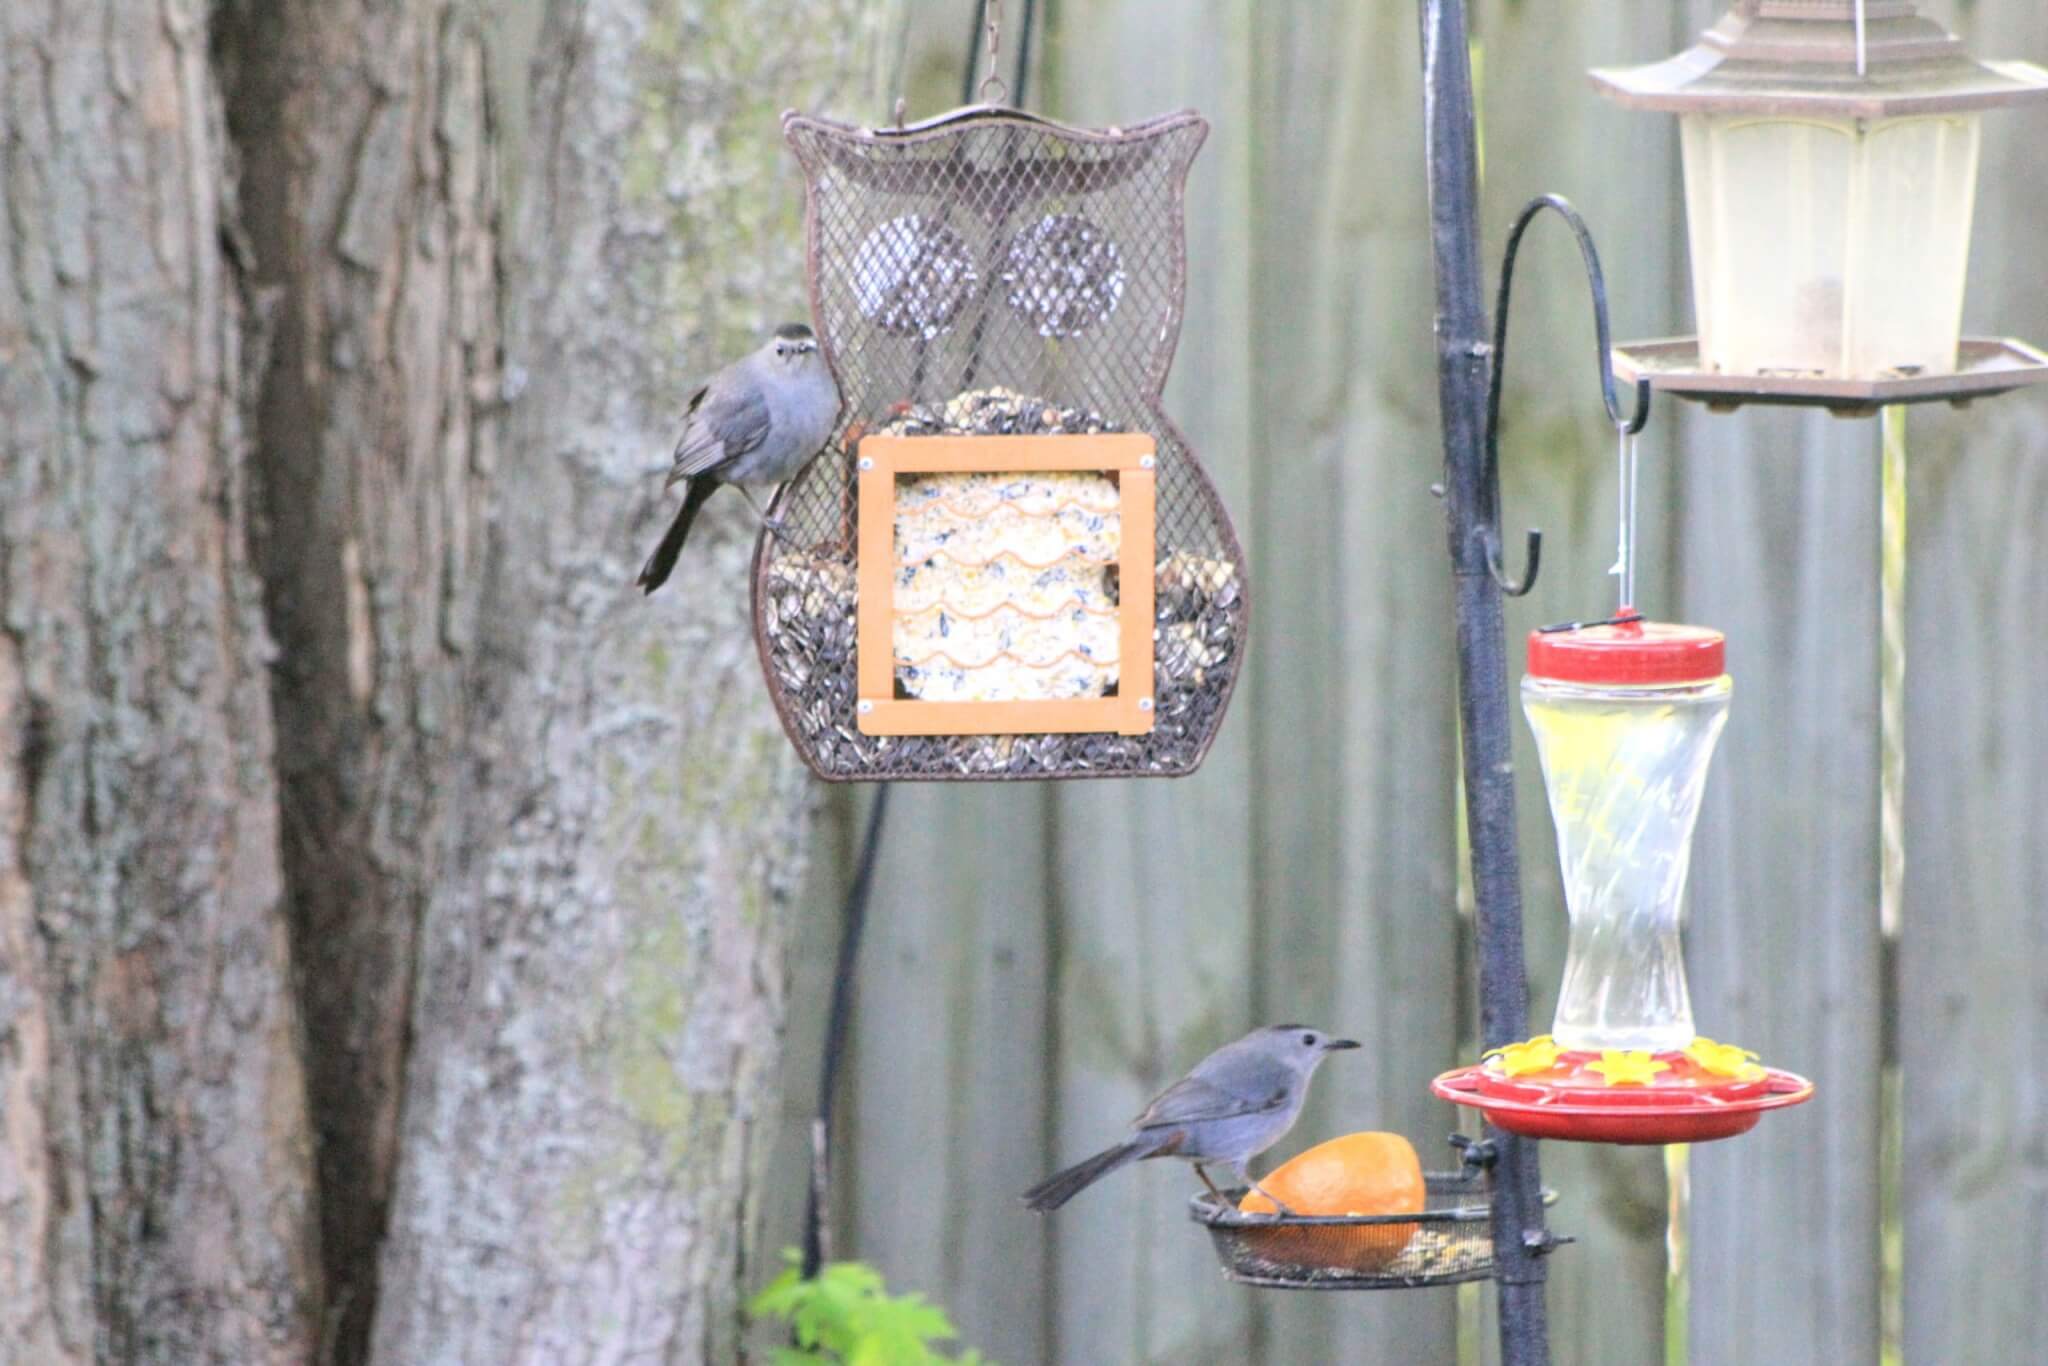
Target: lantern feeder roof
{"type": "Point", "coordinates": [1791, 57]}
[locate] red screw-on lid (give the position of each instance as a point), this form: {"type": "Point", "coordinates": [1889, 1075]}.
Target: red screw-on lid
{"type": "Point", "coordinates": [1634, 653]}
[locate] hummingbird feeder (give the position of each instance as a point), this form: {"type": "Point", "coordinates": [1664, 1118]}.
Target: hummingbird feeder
{"type": "Point", "coordinates": [1626, 714]}
{"type": "Point", "coordinates": [1830, 151]}
{"type": "Point", "coordinates": [1010, 563]}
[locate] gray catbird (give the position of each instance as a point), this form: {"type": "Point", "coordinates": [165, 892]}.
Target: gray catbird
{"type": "Point", "coordinates": [756, 422]}
{"type": "Point", "coordinates": [1235, 1104]}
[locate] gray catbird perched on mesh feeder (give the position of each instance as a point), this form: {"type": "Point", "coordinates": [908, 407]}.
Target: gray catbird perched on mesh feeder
{"type": "Point", "coordinates": [1235, 1104]}
{"type": "Point", "coordinates": [757, 422]}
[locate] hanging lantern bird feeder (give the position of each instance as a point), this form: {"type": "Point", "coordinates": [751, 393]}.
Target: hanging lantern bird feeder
{"type": "Point", "coordinates": [1830, 151]}
{"type": "Point", "coordinates": [1626, 714]}
{"type": "Point", "coordinates": [1010, 564]}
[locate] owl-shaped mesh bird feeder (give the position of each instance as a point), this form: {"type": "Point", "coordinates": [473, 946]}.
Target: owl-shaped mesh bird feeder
{"type": "Point", "coordinates": [1009, 564]}
{"type": "Point", "coordinates": [1626, 714]}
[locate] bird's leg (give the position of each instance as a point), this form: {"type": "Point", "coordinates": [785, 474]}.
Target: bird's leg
{"type": "Point", "coordinates": [1279, 1205]}
{"type": "Point", "coordinates": [772, 524]}
{"type": "Point", "coordinates": [1207, 1182]}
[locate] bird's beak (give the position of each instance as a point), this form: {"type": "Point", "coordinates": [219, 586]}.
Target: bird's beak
{"type": "Point", "coordinates": [1330, 1045]}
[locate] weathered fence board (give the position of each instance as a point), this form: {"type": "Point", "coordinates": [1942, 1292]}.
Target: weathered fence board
{"type": "Point", "coordinates": [1158, 959]}
{"type": "Point", "coordinates": [1780, 550]}
{"type": "Point", "coordinates": [1355, 880]}
{"type": "Point", "coordinates": [1973, 1012]}
{"type": "Point", "coordinates": [1973, 1008]}
{"type": "Point", "coordinates": [948, 1104]}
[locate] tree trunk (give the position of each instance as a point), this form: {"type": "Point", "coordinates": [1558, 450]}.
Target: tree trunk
{"type": "Point", "coordinates": [369, 198]}
{"type": "Point", "coordinates": [597, 1033]}
{"type": "Point", "coordinates": [518, 844]}
{"type": "Point", "coordinates": [154, 1152]}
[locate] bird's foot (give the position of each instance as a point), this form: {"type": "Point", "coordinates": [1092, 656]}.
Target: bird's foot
{"type": "Point", "coordinates": [1281, 1209]}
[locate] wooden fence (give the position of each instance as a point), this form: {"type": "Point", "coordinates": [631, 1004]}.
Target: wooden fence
{"type": "Point", "coordinates": [1042, 959]}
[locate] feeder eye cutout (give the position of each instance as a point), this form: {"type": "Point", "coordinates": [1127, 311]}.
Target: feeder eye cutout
{"type": "Point", "coordinates": [1010, 563]}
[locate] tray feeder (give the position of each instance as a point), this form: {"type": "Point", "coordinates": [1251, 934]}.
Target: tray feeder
{"type": "Point", "coordinates": [1449, 1241]}
{"type": "Point", "coordinates": [1626, 714]}
{"type": "Point", "coordinates": [1010, 563]}
{"type": "Point", "coordinates": [1831, 155]}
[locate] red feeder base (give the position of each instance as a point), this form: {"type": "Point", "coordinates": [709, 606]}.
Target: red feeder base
{"type": "Point", "coordinates": [1683, 1103]}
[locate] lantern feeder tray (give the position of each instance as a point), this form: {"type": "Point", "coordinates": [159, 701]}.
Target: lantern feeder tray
{"type": "Point", "coordinates": [1985, 366]}
{"type": "Point", "coordinates": [1447, 1242]}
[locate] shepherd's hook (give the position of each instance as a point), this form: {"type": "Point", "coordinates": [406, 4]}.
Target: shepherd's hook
{"type": "Point", "coordinates": [1628, 425]}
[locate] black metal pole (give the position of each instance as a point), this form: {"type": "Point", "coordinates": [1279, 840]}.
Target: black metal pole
{"type": "Point", "coordinates": [1464, 358]}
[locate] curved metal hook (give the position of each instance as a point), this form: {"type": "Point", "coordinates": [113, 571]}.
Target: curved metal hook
{"type": "Point", "coordinates": [1533, 562]}
{"type": "Point", "coordinates": [1628, 425]}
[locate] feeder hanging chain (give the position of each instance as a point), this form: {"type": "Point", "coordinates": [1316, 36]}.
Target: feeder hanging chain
{"type": "Point", "coordinates": [993, 90]}
{"type": "Point", "coordinates": [1625, 425]}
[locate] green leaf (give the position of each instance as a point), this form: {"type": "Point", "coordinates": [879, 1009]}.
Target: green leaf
{"type": "Point", "coordinates": [845, 1316]}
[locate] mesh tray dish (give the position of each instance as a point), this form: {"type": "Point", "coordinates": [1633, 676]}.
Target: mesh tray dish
{"type": "Point", "coordinates": [992, 273]}
{"type": "Point", "coordinates": [1450, 1241]}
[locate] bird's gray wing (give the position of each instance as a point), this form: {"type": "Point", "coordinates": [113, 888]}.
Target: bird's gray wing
{"type": "Point", "coordinates": [727, 421]}
{"type": "Point", "coordinates": [1191, 1099]}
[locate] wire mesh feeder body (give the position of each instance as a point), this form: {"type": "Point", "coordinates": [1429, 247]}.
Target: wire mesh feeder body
{"type": "Point", "coordinates": [1448, 1242]}
{"type": "Point", "coordinates": [983, 277]}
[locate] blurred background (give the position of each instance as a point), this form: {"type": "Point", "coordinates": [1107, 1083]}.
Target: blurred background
{"type": "Point", "coordinates": [415, 946]}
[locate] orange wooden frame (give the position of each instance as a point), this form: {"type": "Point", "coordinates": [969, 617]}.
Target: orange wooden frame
{"type": "Point", "coordinates": [881, 459]}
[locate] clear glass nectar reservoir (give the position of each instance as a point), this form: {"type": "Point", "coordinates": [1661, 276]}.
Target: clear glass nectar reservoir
{"type": "Point", "coordinates": [1830, 246]}
{"type": "Point", "coordinates": [1625, 765]}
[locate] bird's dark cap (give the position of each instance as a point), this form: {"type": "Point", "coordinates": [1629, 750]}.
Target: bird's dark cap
{"type": "Point", "coordinates": [793, 332]}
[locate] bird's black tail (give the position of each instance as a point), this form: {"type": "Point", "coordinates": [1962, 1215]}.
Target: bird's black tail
{"type": "Point", "coordinates": [656, 571]}
{"type": "Point", "coordinates": [1061, 1187]}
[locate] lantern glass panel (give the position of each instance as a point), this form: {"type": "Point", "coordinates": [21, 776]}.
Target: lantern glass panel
{"type": "Point", "coordinates": [1624, 767]}
{"type": "Point", "coordinates": [1830, 246]}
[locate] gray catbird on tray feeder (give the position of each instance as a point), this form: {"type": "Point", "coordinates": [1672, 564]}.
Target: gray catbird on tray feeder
{"type": "Point", "coordinates": [1235, 1104]}
{"type": "Point", "coordinates": [757, 422]}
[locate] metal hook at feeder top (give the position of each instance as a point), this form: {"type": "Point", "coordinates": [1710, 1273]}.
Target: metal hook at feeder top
{"type": "Point", "coordinates": [988, 16]}
{"type": "Point", "coordinates": [1626, 425]}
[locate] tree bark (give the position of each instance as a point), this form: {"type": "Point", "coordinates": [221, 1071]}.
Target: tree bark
{"type": "Point", "coordinates": [154, 1151]}
{"type": "Point", "coordinates": [518, 844]}
{"type": "Point", "coordinates": [597, 1034]}
{"type": "Point", "coordinates": [370, 201]}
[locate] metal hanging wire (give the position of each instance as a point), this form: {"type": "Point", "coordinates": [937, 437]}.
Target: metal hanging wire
{"type": "Point", "coordinates": [1624, 570]}
{"type": "Point", "coordinates": [987, 33]}
{"type": "Point", "coordinates": [852, 922]}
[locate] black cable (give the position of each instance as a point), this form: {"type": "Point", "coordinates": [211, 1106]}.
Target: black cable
{"type": "Point", "coordinates": [853, 919]}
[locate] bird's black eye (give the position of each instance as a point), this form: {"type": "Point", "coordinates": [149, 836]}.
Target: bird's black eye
{"type": "Point", "coordinates": [1308, 1041]}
